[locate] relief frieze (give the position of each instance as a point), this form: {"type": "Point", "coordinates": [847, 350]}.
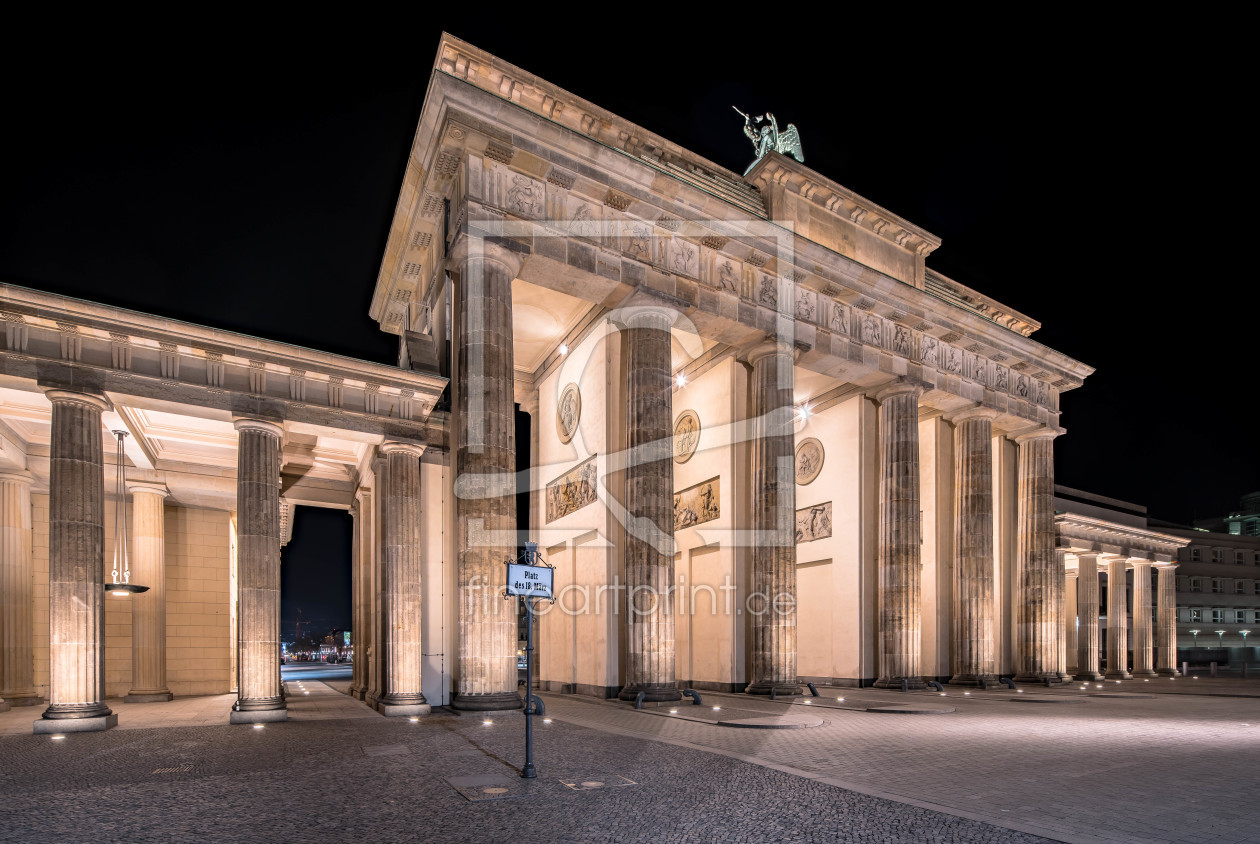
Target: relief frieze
{"type": "Point", "coordinates": [839, 322]}
{"type": "Point", "coordinates": [572, 491]}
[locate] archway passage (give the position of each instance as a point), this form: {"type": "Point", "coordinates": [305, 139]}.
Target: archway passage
{"type": "Point", "coordinates": [315, 597]}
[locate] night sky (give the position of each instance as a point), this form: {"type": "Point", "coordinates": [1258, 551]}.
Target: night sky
{"type": "Point", "coordinates": [1080, 174]}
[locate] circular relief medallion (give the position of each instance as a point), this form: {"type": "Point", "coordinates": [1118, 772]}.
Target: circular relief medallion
{"type": "Point", "coordinates": [686, 435]}
{"type": "Point", "coordinates": [568, 412]}
{"type": "Point", "coordinates": [809, 460]}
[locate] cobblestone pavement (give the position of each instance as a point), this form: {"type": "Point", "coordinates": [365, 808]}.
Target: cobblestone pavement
{"type": "Point", "coordinates": [387, 780]}
{"type": "Point", "coordinates": [1167, 767]}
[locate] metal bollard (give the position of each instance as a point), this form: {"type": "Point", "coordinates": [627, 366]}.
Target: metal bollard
{"type": "Point", "coordinates": [1214, 669]}
{"type": "Point", "coordinates": [934, 684]}
{"type": "Point", "coordinates": [905, 684]}
{"type": "Point", "coordinates": [638, 701]}
{"type": "Point", "coordinates": [539, 708]}
{"type": "Point", "coordinates": [694, 695]}
{"type": "Point", "coordinates": [1008, 681]}
{"type": "Point", "coordinates": [774, 693]}
{"type": "Point", "coordinates": [1185, 668]}
{"type": "Point", "coordinates": [814, 691]}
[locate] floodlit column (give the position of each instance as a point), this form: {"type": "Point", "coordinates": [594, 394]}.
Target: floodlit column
{"type": "Point", "coordinates": [485, 476]}
{"type": "Point", "coordinates": [1069, 623]}
{"type": "Point", "coordinates": [1061, 607]}
{"type": "Point", "coordinates": [148, 609]}
{"type": "Point", "coordinates": [76, 567]}
{"type": "Point", "coordinates": [17, 645]}
{"type": "Point", "coordinates": [774, 521]}
{"type": "Point", "coordinates": [1167, 628]}
{"type": "Point", "coordinates": [357, 626]}
{"type": "Point", "coordinates": [1087, 610]}
{"type": "Point", "coordinates": [1117, 621]}
{"type": "Point", "coordinates": [401, 569]}
{"type": "Point", "coordinates": [900, 549]}
{"type": "Point", "coordinates": [1040, 576]}
{"type": "Point", "coordinates": [1143, 640]}
{"type": "Point", "coordinates": [259, 696]}
{"type": "Point", "coordinates": [649, 543]}
{"type": "Point", "coordinates": [973, 652]}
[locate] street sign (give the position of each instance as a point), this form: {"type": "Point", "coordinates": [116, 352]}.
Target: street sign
{"type": "Point", "coordinates": [529, 581]}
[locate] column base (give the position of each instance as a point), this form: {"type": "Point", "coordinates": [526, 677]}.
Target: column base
{"type": "Point", "coordinates": [490, 702]}
{"type": "Point", "coordinates": [788, 689]}
{"type": "Point", "coordinates": [653, 692]}
{"type": "Point", "coordinates": [914, 683]}
{"type": "Point", "coordinates": [148, 697]}
{"type": "Point", "coordinates": [4, 707]}
{"type": "Point", "coordinates": [258, 716]}
{"type": "Point", "coordinates": [31, 699]}
{"type": "Point", "coordinates": [981, 680]}
{"type": "Point", "coordinates": [1039, 677]}
{"type": "Point", "coordinates": [1169, 672]}
{"type": "Point", "coordinates": [1145, 675]}
{"type": "Point", "coordinates": [94, 724]}
{"type": "Point", "coordinates": [394, 710]}
{"type": "Point", "coordinates": [1118, 675]}
{"type": "Point", "coordinates": [1088, 676]}
{"type": "Point", "coordinates": [1064, 677]}
{"type": "Point", "coordinates": [76, 711]}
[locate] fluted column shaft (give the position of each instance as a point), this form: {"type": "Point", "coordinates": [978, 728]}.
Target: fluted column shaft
{"type": "Point", "coordinates": [356, 601]}
{"type": "Point", "coordinates": [17, 645]}
{"type": "Point", "coordinates": [1069, 623]}
{"type": "Point", "coordinates": [1167, 628]}
{"type": "Point", "coordinates": [1117, 621]}
{"type": "Point", "coordinates": [900, 548]}
{"type": "Point", "coordinates": [259, 694]}
{"type": "Point", "coordinates": [148, 609]}
{"type": "Point", "coordinates": [773, 492]}
{"type": "Point", "coordinates": [76, 559]}
{"type": "Point", "coordinates": [485, 486]}
{"type": "Point", "coordinates": [401, 588]}
{"type": "Point", "coordinates": [1040, 574]}
{"type": "Point", "coordinates": [1087, 610]}
{"type": "Point", "coordinates": [1143, 638]}
{"type": "Point", "coordinates": [649, 544]}
{"type": "Point", "coordinates": [973, 647]}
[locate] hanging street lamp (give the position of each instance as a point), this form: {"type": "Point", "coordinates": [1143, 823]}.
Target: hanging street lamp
{"type": "Point", "coordinates": [120, 583]}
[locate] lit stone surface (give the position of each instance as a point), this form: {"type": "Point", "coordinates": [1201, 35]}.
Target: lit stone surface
{"type": "Point", "coordinates": [1040, 574]}
{"type": "Point", "coordinates": [900, 565]}
{"type": "Point", "coordinates": [973, 653]}
{"type": "Point", "coordinates": [774, 632]}
{"type": "Point", "coordinates": [649, 541]}
{"type": "Point", "coordinates": [148, 609]}
{"type": "Point", "coordinates": [17, 649]}
{"type": "Point", "coordinates": [258, 535]}
{"type": "Point", "coordinates": [1087, 654]}
{"type": "Point", "coordinates": [485, 467]}
{"type": "Point", "coordinates": [1117, 621]}
{"type": "Point", "coordinates": [1167, 628]}
{"type": "Point", "coordinates": [1069, 624]}
{"type": "Point", "coordinates": [401, 587]}
{"type": "Point", "coordinates": [76, 552]}
{"type": "Point", "coordinates": [1143, 641]}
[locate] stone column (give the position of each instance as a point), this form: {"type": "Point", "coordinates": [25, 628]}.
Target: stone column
{"type": "Point", "coordinates": [372, 553]}
{"type": "Point", "coordinates": [1061, 605]}
{"type": "Point", "coordinates": [1069, 623]}
{"type": "Point", "coordinates": [259, 696]}
{"type": "Point", "coordinates": [1143, 640]}
{"type": "Point", "coordinates": [773, 520]}
{"type": "Point", "coordinates": [1087, 609]}
{"type": "Point", "coordinates": [900, 547]}
{"type": "Point", "coordinates": [357, 625]}
{"type": "Point", "coordinates": [973, 651]}
{"type": "Point", "coordinates": [76, 567]}
{"type": "Point", "coordinates": [1039, 580]}
{"type": "Point", "coordinates": [17, 645]}
{"type": "Point", "coordinates": [1167, 629]}
{"type": "Point", "coordinates": [1117, 621]}
{"type": "Point", "coordinates": [649, 542]}
{"type": "Point", "coordinates": [401, 589]}
{"type": "Point", "coordinates": [485, 475]}
{"type": "Point", "coordinates": [148, 609]}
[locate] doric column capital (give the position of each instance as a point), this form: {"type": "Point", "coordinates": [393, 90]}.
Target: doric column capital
{"type": "Point", "coordinates": [147, 488]}
{"type": "Point", "coordinates": [399, 447]}
{"type": "Point", "coordinates": [91, 399]}
{"type": "Point", "coordinates": [262, 425]}
{"type": "Point", "coordinates": [899, 387]}
{"type": "Point", "coordinates": [1045, 432]}
{"type": "Point", "coordinates": [18, 477]}
{"type": "Point", "coordinates": [768, 347]}
{"type": "Point", "coordinates": [504, 253]}
{"type": "Point", "coordinates": [1168, 567]}
{"type": "Point", "coordinates": [969, 413]}
{"type": "Point", "coordinates": [1141, 563]}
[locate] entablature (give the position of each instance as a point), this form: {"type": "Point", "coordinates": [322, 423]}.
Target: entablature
{"type": "Point", "coordinates": [1076, 534]}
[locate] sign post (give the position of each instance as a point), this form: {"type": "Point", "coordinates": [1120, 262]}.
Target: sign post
{"type": "Point", "coordinates": [530, 578]}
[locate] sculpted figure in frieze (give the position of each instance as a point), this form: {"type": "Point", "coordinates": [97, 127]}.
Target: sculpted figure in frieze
{"type": "Point", "coordinates": [931, 352]}
{"type": "Point", "coordinates": [684, 257]}
{"type": "Point", "coordinates": [872, 330]}
{"type": "Point", "coordinates": [1021, 386]}
{"type": "Point", "coordinates": [525, 197]}
{"type": "Point", "coordinates": [805, 308]}
{"type": "Point", "coordinates": [637, 239]}
{"type": "Point", "coordinates": [954, 361]}
{"type": "Point", "coordinates": [839, 318]}
{"type": "Point", "coordinates": [727, 277]}
{"type": "Point", "coordinates": [901, 340]}
{"type": "Point", "coordinates": [768, 293]}
{"type": "Point", "coordinates": [1001, 380]}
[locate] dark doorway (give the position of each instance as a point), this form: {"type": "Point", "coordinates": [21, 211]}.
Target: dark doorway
{"type": "Point", "coordinates": [315, 574]}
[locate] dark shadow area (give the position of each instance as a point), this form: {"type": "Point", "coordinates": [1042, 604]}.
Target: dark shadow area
{"type": "Point", "coordinates": [315, 573]}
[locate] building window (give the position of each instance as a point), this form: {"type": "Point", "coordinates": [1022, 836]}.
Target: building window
{"type": "Point", "coordinates": [1240, 588]}
{"type": "Point", "coordinates": [1255, 588]}
{"type": "Point", "coordinates": [1196, 615]}
{"type": "Point", "coordinates": [1218, 585]}
{"type": "Point", "coordinates": [1240, 617]}
{"type": "Point", "coordinates": [1196, 555]}
{"type": "Point", "coordinates": [1238, 557]}
{"type": "Point", "coordinates": [1196, 585]}
{"type": "Point", "coordinates": [1257, 558]}
{"type": "Point", "coordinates": [1218, 616]}
{"type": "Point", "coordinates": [1218, 556]}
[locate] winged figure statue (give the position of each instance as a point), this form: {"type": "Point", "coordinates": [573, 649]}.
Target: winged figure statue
{"type": "Point", "coordinates": [764, 133]}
